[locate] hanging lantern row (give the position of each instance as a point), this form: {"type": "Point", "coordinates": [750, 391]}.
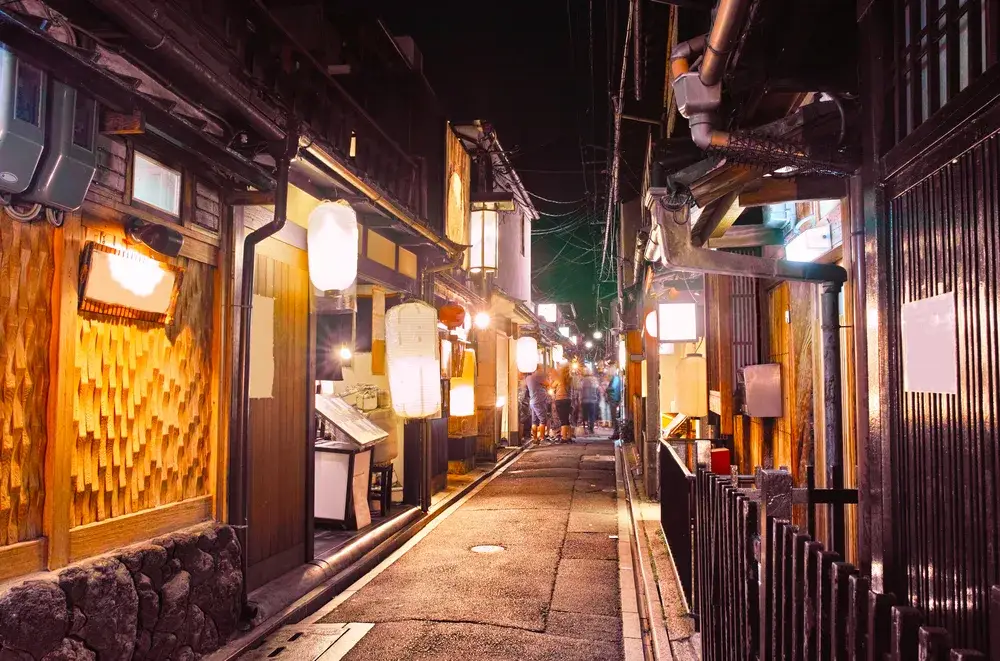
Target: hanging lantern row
{"type": "Point", "coordinates": [332, 242]}
{"type": "Point", "coordinates": [411, 347]}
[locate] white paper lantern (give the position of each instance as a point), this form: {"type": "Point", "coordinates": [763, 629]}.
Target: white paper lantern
{"type": "Point", "coordinates": [692, 386]}
{"type": "Point", "coordinates": [484, 237]}
{"type": "Point", "coordinates": [332, 240]}
{"type": "Point", "coordinates": [463, 388]}
{"type": "Point", "coordinates": [557, 354]}
{"type": "Point", "coordinates": [411, 350]}
{"type": "Point", "coordinates": [527, 354]}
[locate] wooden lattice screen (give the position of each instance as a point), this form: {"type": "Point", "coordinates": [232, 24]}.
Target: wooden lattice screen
{"type": "Point", "coordinates": [26, 269]}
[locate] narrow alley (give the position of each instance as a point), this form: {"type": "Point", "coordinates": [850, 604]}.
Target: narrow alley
{"type": "Point", "coordinates": [525, 568]}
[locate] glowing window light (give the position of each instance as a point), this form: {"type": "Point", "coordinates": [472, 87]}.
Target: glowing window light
{"type": "Point", "coordinates": [666, 348]}
{"type": "Point", "coordinates": [622, 353]}
{"type": "Point", "coordinates": [692, 386]}
{"type": "Point", "coordinates": [411, 347]}
{"type": "Point", "coordinates": [557, 354]}
{"type": "Point", "coordinates": [527, 354]}
{"type": "Point", "coordinates": [564, 331]}
{"type": "Point", "coordinates": [484, 239]}
{"type": "Point", "coordinates": [332, 240]}
{"type": "Point", "coordinates": [501, 401]}
{"type": "Point", "coordinates": [809, 244]}
{"type": "Point", "coordinates": [677, 322]}
{"type": "Point", "coordinates": [463, 388]}
{"type": "Point", "coordinates": [549, 312]}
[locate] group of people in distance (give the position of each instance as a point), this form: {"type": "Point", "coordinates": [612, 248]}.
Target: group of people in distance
{"type": "Point", "coordinates": [569, 396]}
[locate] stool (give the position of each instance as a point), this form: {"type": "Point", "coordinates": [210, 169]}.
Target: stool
{"type": "Point", "coordinates": [382, 489]}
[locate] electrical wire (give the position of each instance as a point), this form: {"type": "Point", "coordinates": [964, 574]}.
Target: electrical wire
{"type": "Point", "coordinates": [546, 199]}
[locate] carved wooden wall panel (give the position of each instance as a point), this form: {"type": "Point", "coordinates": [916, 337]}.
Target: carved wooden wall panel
{"type": "Point", "coordinates": [26, 269]}
{"type": "Point", "coordinates": [143, 407]}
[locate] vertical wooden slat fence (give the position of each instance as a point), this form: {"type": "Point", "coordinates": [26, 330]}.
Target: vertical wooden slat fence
{"type": "Point", "coordinates": [766, 590]}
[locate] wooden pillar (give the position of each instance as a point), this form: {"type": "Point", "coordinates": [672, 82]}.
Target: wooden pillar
{"type": "Point", "coordinates": [652, 435]}
{"type": "Point", "coordinates": [486, 393]}
{"type": "Point", "coordinates": [633, 379]}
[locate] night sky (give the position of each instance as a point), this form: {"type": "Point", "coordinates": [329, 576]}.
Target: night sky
{"type": "Point", "coordinates": [538, 70]}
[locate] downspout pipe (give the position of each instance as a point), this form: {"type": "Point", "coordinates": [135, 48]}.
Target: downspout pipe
{"type": "Point", "coordinates": [726, 28]}
{"type": "Point", "coordinates": [239, 492]}
{"type": "Point", "coordinates": [156, 39]}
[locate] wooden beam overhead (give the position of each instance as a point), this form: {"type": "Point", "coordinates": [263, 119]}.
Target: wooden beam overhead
{"type": "Point", "coordinates": [772, 190]}
{"type": "Point", "coordinates": [748, 236]}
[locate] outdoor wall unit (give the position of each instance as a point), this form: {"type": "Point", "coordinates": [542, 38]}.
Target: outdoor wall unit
{"type": "Point", "coordinates": [123, 283]}
{"type": "Point", "coordinates": [22, 114]}
{"type": "Point", "coordinates": [69, 160]}
{"type": "Point", "coordinates": [762, 390]}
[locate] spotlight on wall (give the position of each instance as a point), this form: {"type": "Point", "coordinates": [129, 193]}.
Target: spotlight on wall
{"type": "Point", "coordinates": [482, 320]}
{"type": "Point", "coordinates": [159, 238]}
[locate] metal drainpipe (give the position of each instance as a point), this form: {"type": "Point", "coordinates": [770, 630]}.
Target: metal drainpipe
{"type": "Point", "coordinates": [155, 38]}
{"type": "Point", "coordinates": [239, 439]}
{"type": "Point", "coordinates": [833, 405]}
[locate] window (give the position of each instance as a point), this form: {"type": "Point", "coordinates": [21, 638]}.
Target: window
{"type": "Point", "coordinates": [84, 111]}
{"type": "Point", "coordinates": [156, 185]}
{"type": "Point", "coordinates": [28, 97]}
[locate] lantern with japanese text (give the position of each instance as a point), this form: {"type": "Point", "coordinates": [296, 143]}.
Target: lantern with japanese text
{"type": "Point", "coordinates": [411, 347]}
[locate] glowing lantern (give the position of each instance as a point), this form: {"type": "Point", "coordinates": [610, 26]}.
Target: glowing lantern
{"type": "Point", "coordinates": [557, 355]}
{"type": "Point", "coordinates": [484, 239]}
{"type": "Point", "coordinates": [411, 349]}
{"type": "Point", "coordinates": [651, 324]}
{"type": "Point", "coordinates": [527, 354]}
{"type": "Point", "coordinates": [463, 388]}
{"type": "Point", "coordinates": [673, 322]}
{"type": "Point", "coordinates": [692, 386]}
{"type": "Point", "coordinates": [452, 315]}
{"type": "Point", "coordinates": [332, 241]}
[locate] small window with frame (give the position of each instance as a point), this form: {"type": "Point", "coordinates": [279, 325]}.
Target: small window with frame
{"type": "Point", "coordinates": [156, 185]}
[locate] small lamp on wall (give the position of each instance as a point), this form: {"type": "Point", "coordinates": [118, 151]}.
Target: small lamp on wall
{"type": "Point", "coordinates": [159, 238]}
{"type": "Point", "coordinates": [332, 242]}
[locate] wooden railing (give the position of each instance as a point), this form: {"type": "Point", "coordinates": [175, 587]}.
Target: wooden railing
{"type": "Point", "coordinates": [766, 590]}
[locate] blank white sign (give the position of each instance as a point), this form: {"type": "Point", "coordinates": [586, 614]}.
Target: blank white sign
{"type": "Point", "coordinates": [262, 348]}
{"type": "Point", "coordinates": [930, 352]}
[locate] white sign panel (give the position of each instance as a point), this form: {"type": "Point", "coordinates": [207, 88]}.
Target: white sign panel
{"type": "Point", "coordinates": [930, 352]}
{"type": "Point", "coordinates": [262, 348]}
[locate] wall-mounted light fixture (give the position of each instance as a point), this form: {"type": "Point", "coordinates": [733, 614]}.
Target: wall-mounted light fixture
{"type": "Point", "coordinates": [482, 320]}
{"type": "Point", "coordinates": [484, 229]}
{"type": "Point", "coordinates": [673, 322]}
{"type": "Point", "coordinates": [159, 238]}
{"type": "Point", "coordinates": [123, 283]}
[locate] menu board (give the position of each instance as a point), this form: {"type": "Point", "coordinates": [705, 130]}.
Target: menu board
{"type": "Point", "coordinates": [350, 423]}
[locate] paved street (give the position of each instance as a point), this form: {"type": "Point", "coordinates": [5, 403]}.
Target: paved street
{"type": "Point", "coordinates": [552, 592]}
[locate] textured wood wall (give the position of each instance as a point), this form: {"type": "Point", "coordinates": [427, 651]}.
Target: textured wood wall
{"type": "Point", "coordinates": [142, 409]}
{"type": "Point", "coordinates": [26, 270]}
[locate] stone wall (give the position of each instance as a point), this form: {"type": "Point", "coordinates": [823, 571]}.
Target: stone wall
{"type": "Point", "coordinates": [172, 599]}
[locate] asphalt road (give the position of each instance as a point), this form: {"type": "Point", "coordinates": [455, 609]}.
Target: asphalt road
{"type": "Point", "coordinates": [552, 593]}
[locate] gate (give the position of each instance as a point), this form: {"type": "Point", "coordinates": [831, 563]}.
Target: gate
{"type": "Point", "coordinates": [767, 590]}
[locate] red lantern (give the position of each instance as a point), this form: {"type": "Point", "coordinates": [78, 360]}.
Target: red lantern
{"type": "Point", "coordinates": [451, 315]}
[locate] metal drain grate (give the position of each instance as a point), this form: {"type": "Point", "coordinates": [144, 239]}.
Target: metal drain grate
{"type": "Point", "coordinates": [310, 642]}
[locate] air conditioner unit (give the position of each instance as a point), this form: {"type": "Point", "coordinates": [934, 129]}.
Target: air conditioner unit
{"type": "Point", "coordinates": [70, 157]}
{"type": "Point", "coordinates": [23, 92]}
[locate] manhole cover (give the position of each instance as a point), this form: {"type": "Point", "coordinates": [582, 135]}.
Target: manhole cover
{"type": "Point", "coordinates": [487, 548]}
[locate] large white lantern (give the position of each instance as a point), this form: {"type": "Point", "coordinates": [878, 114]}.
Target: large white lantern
{"type": "Point", "coordinates": [463, 388]}
{"type": "Point", "coordinates": [332, 241]}
{"type": "Point", "coordinates": [411, 350]}
{"type": "Point", "coordinates": [484, 236]}
{"type": "Point", "coordinates": [527, 354]}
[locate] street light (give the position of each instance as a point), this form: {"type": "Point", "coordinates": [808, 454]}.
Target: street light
{"type": "Point", "coordinates": [484, 235]}
{"type": "Point", "coordinates": [482, 320]}
{"type": "Point", "coordinates": [598, 335]}
{"type": "Point", "coordinates": [589, 344]}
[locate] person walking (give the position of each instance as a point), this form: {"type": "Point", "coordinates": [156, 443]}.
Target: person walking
{"type": "Point", "coordinates": [564, 402]}
{"type": "Point", "coordinates": [614, 397]}
{"type": "Point", "coordinates": [589, 399]}
{"type": "Point", "coordinates": [538, 395]}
